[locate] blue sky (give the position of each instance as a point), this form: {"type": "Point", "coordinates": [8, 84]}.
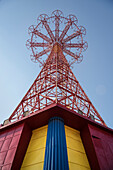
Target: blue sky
{"type": "Point", "coordinates": [17, 71]}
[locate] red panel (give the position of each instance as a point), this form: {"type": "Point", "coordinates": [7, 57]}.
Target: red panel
{"type": "Point", "coordinates": [2, 136]}
{"type": "Point", "coordinates": [10, 156]}
{"type": "Point", "coordinates": [1, 143]}
{"type": "Point", "coordinates": [103, 144]}
{"type": "Point", "coordinates": [2, 157]}
{"type": "Point", "coordinates": [109, 151]}
{"type": "Point", "coordinates": [6, 167]}
{"type": "Point", "coordinates": [100, 153]}
{"type": "Point", "coordinates": [6, 144]}
{"type": "Point", "coordinates": [89, 147]}
{"type": "Point", "coordinates": [111, 147]}
{"type": "Point", "coordinates": [18, 130]}
{"type": "Point", "coordinates": [10, 133]}
{"type": "Point", "coordinates": [22, 147]}
{"type": "Point", "coordinates": [9, 140]}
{"type": "Point", "coordinates": [14, 141]}
{"type": "Point", "coordinates": [103, 162]}
{"type": "Point", "coordinates": [98, 146]}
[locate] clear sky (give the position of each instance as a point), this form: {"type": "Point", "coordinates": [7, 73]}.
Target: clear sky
{"type": "Point", "coordinates": [17, 71]}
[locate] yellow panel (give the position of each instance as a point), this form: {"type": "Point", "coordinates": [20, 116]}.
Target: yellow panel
{"type": "Point", "coordinates": [73, 166]}
{"type": "Point", "coordinates": [33, 167]}
{"type": "Point", "coordinates": [75, 134]}
{"type": "Point", "coordinates": [75, 144]}
{"type": "Point", "coordinates": [77, 157]}
{"type": "Point", "coordinates": [76, 153]}
{"type": "Point", "coordinates": [39, 132]}
{"type": "Point", "coordinates": [37, 144]}
{"type": "Point", "coordinates": [34, 158]}
{"type": "Point", "coordinates": [71, 129]}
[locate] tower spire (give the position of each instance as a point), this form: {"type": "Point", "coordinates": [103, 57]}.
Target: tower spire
{"type": "Point", "coordinates": [56, 82]}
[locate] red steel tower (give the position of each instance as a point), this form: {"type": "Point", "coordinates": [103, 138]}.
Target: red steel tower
{"type": "Point", "coordinates": [56, 42]}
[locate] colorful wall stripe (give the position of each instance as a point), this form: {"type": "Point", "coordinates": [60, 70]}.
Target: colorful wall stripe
{"type": "Point", "coordinates": [76, 154]}
{"type": "Point", "coordinates": [56, 149]}
{"type": "Point", "coordinates": [62, 150]}
{"type": "Point", "coordinates": [34, 158]}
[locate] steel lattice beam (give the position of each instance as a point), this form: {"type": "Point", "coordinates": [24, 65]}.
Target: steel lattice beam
{"type": "Point", "coordinates": [56, 82]}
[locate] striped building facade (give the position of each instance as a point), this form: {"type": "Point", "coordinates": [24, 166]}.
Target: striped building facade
{"type": "Point", "coordinates": [56, 138]}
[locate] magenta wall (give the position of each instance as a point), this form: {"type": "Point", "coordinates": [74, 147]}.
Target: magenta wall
{"type": "Point", "coordinates": [103, 144]}
{"type": "Point", "coordinates": [98, 143]}
{"type": "Point", "coordinates": [13, 145]}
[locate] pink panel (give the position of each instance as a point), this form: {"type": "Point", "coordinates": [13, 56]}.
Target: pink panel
{"type": "Point", "coordinates": [2, 157]}
{"type": "Point", "coordinates": [13, 145]}
{"type": "Point", "coordinates": [1, 143]}
{"type": "Point", "coordinates": [2, 136]}
{"type": "Point", "coordinates": [10, 156]}
{"type": "Point", "coordinates": [6, 167]}
{"type": "Point", "coordinates": [18, 130]}
{"type": "Point", "coordinates": [6, 144]}
{"type": "Point", "coordinates": [14, 141]}
{"type": "Point", "coordinates": [10, 133]}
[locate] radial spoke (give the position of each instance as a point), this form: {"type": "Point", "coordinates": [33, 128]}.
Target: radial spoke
{"type": "Point", "coordinates": [56, 28]}
{"type": "Point", "coordinates": [65, 31]}
{"type": "Point", "coordinates": [73, 45]}
{"type": "Point", "coordinates": [48, 30]}
{"type": "Point", "coordinates": [39, 44]}
{"type": "Point", "coordinates": [42, 53]}
{"type": "Point", "coordinates": [44, 37]}
{"type": "Point", "coordinates": [35, 59]}
{"type": "Point", "coordinates": [71, 53]}
{"type": "Point", "coordinates": [70, 37]}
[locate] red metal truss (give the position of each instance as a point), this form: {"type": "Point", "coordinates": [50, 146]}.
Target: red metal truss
{"type": "Point", "coordinates": [56, 83]}
{"type": "Point", "coordinates": [59, 46]}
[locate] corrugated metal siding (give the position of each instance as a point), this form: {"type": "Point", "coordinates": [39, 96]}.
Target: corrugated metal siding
{"type": "Point", "coordinates": [34, 158]}
{"type": "Point", "coordinates": [56, 149]}
{"type": "Point", "coordinates": [76, 154]}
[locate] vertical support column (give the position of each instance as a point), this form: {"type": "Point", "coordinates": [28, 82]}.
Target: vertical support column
{"type": "Point", "coordinates": [56, 149]}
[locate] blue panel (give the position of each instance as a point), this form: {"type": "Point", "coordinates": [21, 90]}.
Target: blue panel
{"type": "Point", "coordinates": [56, 149]}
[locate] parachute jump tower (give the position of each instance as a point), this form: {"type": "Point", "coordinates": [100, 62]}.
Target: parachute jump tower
{"type": "Point", "coordinates": [56, 126]}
